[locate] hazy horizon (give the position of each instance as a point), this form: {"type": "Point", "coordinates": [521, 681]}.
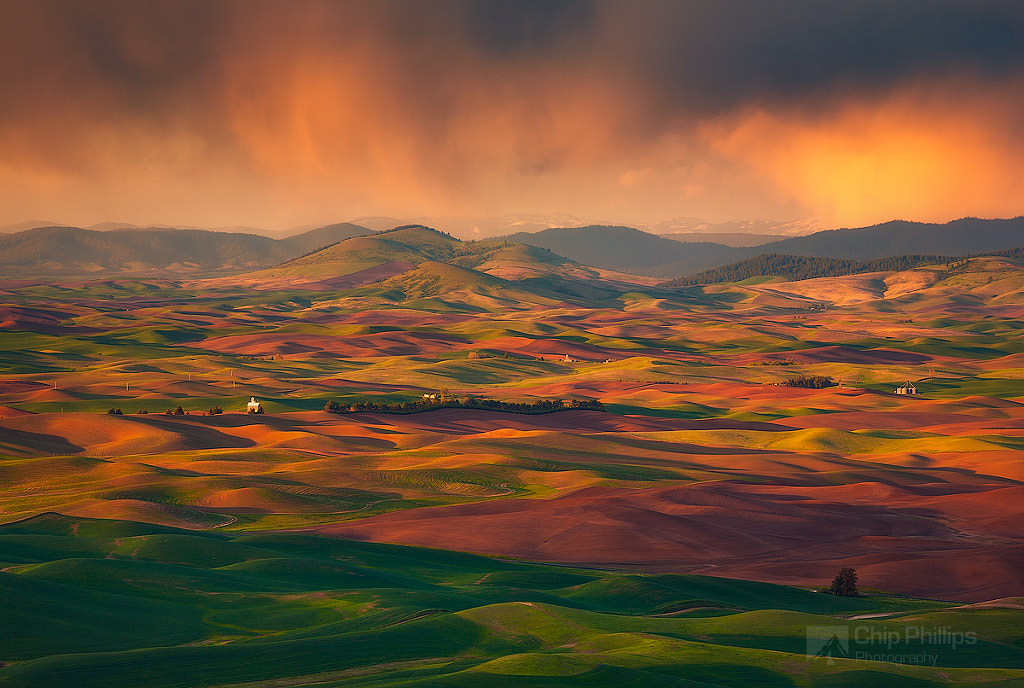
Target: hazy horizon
{"type": "Point", "coordinates": [470, 227]}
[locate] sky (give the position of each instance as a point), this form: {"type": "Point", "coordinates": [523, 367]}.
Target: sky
{"type": "Point", "coordinates": [276, 114]}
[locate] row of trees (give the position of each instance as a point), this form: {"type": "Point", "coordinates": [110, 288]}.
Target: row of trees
{"type": "Point", "coordinates": [802, 267]}
{"type": "Point", "coordinates": [474, 355]}
{"type": "Point", "coordinates": [809, 267]}
{"type": "Point", "coordinates": [809, 382]}
{"type": "Point", "coordinates": [535, 408]}
{"type": "Point", "coordinates": [179, 411]}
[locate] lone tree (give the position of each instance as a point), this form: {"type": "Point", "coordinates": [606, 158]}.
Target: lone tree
{"type": "Point", "coordinates": [845, 583]}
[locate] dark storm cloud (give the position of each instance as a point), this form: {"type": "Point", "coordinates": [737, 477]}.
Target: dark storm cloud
{"type": "Point", "coordinates": [134, 48]}
{"type": "Point", "coordinates": [511, 28]}
{"type": "Point", "coordinates": [716, 54]}
{"type": "Point", "coordinates": [694, 55]}
{"type": "Point", "coordinates": [448, 101]}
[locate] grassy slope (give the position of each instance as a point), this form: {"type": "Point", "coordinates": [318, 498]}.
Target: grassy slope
{"type": "Point", "coordinates": [445, 264]}
{"type": "Point", "coordinates": [174, 608]}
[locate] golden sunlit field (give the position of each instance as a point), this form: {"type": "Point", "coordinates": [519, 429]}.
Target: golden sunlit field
{"type": "Point", "coordinates": [702, 461]}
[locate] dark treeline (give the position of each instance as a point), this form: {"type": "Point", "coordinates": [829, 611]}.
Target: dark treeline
{"type": "Point", "coordinates": [805, 267]}
{"type": "Point", "coordinates": [402, 228]}
{"type": "Point", "coordinates": [802, 267]}
{"type": "Point", "coordinates": [809, 382]}
{"type": "Point", "coordinates": [1008, 253]}
{"type": "Point", "coordinates": [535, 408]}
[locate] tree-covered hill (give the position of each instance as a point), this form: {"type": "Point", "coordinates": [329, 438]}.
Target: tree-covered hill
{"type": "Point", "coordinates": [801, 268]}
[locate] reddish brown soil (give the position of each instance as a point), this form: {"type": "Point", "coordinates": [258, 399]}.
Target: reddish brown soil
{"type": "Point", "coordinates": [305, 345]}
{"type": "Point", "coordinates": [957, 546]}
{"type": "Point", "coordinates": [937, 524]}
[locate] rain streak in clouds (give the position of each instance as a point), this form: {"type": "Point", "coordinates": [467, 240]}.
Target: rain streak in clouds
{"type": "Point", "coordinates": [281, 113]}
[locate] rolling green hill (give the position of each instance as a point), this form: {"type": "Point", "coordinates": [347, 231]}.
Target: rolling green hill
{"type": "Point", "coordinates": [418, 244]}
{"type": "Point", "coordinates": [413, 244]}
{"type": "Point", "coordinates": [449, 287]}
{"type": "Point", "coordinates": [89, 602]}
{"type": "Point", "coordinates": [433, 279]}
{"type": "Point", "coordinates": [418, 262]}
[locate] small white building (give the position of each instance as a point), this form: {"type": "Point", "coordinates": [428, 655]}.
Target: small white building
{"type": "Point", "coordinates": [908, 388]}
{"type": "Point", "coordinates": [569, 359]}
{"type": "Point", "coordinates": [253, 406]}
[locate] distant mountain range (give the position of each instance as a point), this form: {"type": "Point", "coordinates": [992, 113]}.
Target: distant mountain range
{"type": "Point", "coordinates": [693, 225]}
{"type": "Point", "coordinates": [466, 227]}
{"type": "Point", "coordinates": [108, 226]}
{"type": "Point", "coordinates": [420, 267]}
{"type": "Point", "coordinates": [680, 228]}
{"type": "Point", "coordinates": [630, 250]}
{"type": "Point", "coordinates": [726, 238]}
{"type": "Point", "coordinates": [625, 249]}
{"type": "Point", "coordinates": [959, 237]}
{"type": "Point", "coordinates": [68, 251]}
{"type": "Point", "coordinates": [473, 228]}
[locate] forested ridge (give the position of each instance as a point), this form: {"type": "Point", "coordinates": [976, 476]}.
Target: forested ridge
{"type": "Point", "coordinates": [795, 268]}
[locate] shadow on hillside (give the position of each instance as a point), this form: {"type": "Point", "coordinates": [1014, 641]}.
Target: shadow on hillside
{"type": "Point", "coordinates": [35, 443]}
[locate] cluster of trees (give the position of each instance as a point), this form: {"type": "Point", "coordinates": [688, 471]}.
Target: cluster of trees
{"type": "Point", "coordinates": [503, 354]}
{"type": "Point", "coordinates": [535, 408]}
{"type": "Point", "coordinates": [809, 382]}
{"type": "Point", "coordinates": [802, 267]}
{"type": "Point", "coordinates": [404, 227]}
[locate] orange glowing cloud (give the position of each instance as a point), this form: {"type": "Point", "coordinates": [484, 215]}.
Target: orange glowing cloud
{"type": "Point", "coordinates": [276, 114]}
{"type": "Point", "coordinates": [354, 120]}
{"type": "Point", "coordinates": [930, 152]}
